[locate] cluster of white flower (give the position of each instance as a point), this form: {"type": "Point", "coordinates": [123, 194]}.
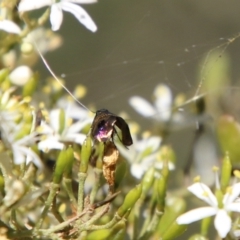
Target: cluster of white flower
{"type": "Point", "coordinates": [56, 15]}
{"type": "Point", "coordinates": [17, 135]}
{"type": "Point", "coordinates": [61, 129]}
{"type": "Point", "coordinates": [143, 154]}
{"type": "Point", "coordinates": [19, 132]}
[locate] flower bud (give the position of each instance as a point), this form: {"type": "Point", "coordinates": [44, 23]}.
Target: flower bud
{"type": "Point", "coordinates": [117, 232]}
{"type": "Point", "coordinates": [228, 131]}
{"type": "Point", "coordinates": [147, 181]}
{"type": "Point", "coordinates": [69, 163]}
{"type": "Point", "coordinates": [3, 74]}
{"type": "Point", "coordinates": [20, 75]}
{"type": "Point", "coordinates": [63, 165]}
{"type": "Point", "coordinates": [174, 207]}
{"type": "Point", "coordinates": [130, 200]}
{"type": "Point", "coordinates": [30, 86]}
{"type": "Point", "coordinates": [25, 130]}
{"type": "Point", "coordinates": [166, 153]}
{"type": "Point", "coordinates": [162, 187]}
{"type": "Point", "coordinates": [101, 234]}
{"type": "Point", "coordinates": [198, 237]}
{"type": "Point", "coordinates": [121, 170]}
{"type": "Point", "coordinates": [85, 154]}
{"type": "Point", "coordinates": [61, 119]}
{"type": "Point", "coordinates": [174, 231]}
{"type": "Point", "coordinates": [226, 172]}
{"type": "Point", "coordinates": [99, 155]}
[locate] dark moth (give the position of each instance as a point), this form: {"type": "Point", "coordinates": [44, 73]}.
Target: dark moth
{"type": "Point", "coordinates": [103, 127]}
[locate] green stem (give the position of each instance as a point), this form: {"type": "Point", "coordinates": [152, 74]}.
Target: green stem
{"type": "Point", "coordinates": [81, 181]}
{"type": "Point", "coordinates": [152, 225]}
{"type": "Point", "coordinates": [22, 169]}
{"type": "Point", "coordinates": [110, 224]}
{"type": "Point", "coordinates": [55, 211]}
{"type": "Point", "coordinates": [53, 192]}
{"type": "Point", "coordinates": [47, 232]}
{"type": "Point", "coordinates": [136, 219]}
{"type": "Point", "coordinates": [19, 234]}
{"type": "Point", "coordinates": [87, 225]}
{"type": "Point", "coordinates": [97, 173]}
{"type": "Point", "coordinates": [13, 222]}
{"type": "Point", "coordinates": [67, 184]}
{"type": "Point", "coordinates": [145, 224]}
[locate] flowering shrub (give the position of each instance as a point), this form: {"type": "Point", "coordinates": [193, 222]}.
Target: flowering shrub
{"type": "Point", "coordinates": [67, 173]}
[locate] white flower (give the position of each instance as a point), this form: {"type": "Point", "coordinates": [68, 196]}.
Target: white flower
{"type": "Point", "coordinates": [59, 131]}
{"type": "Point", "coordinates": [161, 110]}
{"type": "Point", "coordinates": [20, 75]}
{"type": "Point", "coordinates": [142, 154]}
{"type": "Point", "coordinates": [23, 153]}
{"type": "Point", "coordinates": [73, 109]}
{"type": "Point", "coordinates": [222, 221]}
{"type": "Point", "coordinates": [56, 15]}
{"type": "Point", "coordinates": [20, 147]}
{"type": "Point", "coordinates": [9, 26]}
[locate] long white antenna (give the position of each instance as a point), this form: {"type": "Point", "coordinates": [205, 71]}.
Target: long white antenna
{"type": "Point", "coordinates": [56, 78]}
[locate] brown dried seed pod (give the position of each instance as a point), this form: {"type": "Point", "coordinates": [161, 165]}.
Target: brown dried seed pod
{"type": "Point", "coordinates": [110, 158]}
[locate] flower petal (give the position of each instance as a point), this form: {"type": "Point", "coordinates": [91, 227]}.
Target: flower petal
{"type": "Point", "coordinates": [81, 15]}
{"type": "Point", "coordinates": [159, 165]}
{"type": "Point", "coordinates": [27, 5]}
{"type": "Point", "coordinates": [222, 223]}
{"type": "Point", "coordinates": [9, 26]}
{"type": "Point", "coordinates": [50, 143]}
{"type": "Point", "coordinates": [46, 129]}
{"type": "Point", "coordinates": [81, 1]}
{"type": "Point", "coordinates": [56, 16]}
{"type": "Point", "coordinates": [232, 194]}
{"type": "Point", "coordinates": [142, 106]}
{"type": "Point", "coordinates": [76, 137]}
{"type": "Point", "coordinates": [153, 143]}
{"type": "Point", "coordinates": [77, 126]}
{"type": "Point", "coordinates": [55, 118]}
{"type": "Point", "coordinates": [233, 207]}
{"type": "Point", "coordinates": [204, 193]}
{"type": "Point", "coordinates": [196, 214]}
{"type": "Point", "coordinates": [137, 170]}
{"type": "Point", "coordinates": [72, 109]}
{"type": "Point", "coordinates": [18, 155]}
{"type": "Point", "coordinates": [163, 102]}
{"type": "Point", "coordinates": [22, 154]}
{"type": "Point", "coordinates": [31, 156]}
